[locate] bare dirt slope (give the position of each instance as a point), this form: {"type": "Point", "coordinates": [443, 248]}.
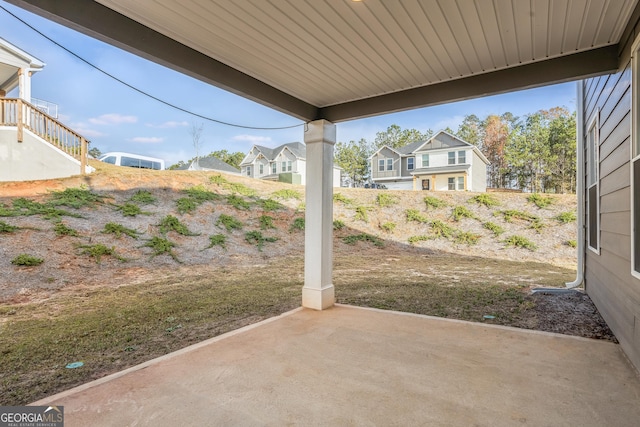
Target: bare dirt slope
{"type": "Point", "coordinates": [68, 266]}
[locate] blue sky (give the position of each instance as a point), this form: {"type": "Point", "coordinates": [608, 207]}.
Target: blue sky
{"type": "Point", "coordinates": [116, 118]}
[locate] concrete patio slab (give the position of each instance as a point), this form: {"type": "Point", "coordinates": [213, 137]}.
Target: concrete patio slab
{"type": "Point", "coordinates": [355, 366]}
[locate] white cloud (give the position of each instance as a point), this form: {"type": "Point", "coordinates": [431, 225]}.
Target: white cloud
{"type": "Point", "coordinates": [113, 119]}
{"type": "Point", "coordinates": [168, 125]}
{"type": "Point", "coordinates": [146, 139]}
{"type": "Point", "coordinates": [254, 139]}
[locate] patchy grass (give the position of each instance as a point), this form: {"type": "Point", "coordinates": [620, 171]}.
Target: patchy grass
{"type": "Point", "coordinates": [61, 229]}
{"type": "Point", "coordinates": [266, 222]}
{"type": "Point", "coordinates": [297, 225]}
{"type": "Point", "coordinates": [434, 202]}
{"type": "Point", "coordinates": [420, 238]}
{"type": "Point", "coordinates": [186, 205]}
{"type": "Point", "coordinates": [270, 205]}
{"type": "Point", "coordinates": [460, 212]}
{"type": "Point", "coordinates": [388, 227]}
{"type": "Point", "coordinates": [26, 207]}
{"type": "Point", "coordinates": [143, 197]}
{"type": "Point", "coordinates": [537, 225]}
{"type": "Point", "coordinates": [363, 237]}
{"type": "Point", "coordinates": [26, 260]}
{"type": "Point", "coordinates": [571, 243]}
{"type": "Point", "coordinates": [200, 194]}
{"type": "Point", "coordinates": [414, 215]}
{"type": "Point", "coordinates": [362, 213]}
{"type": "Point", "coordinates": [494, 228]}
{"type": "Point", "coordinates": [256, 238]}
{"type": "Point", "coordinates": [161, 246]}
{"type": "Point", "coordinates": [238, 202]}
{"type": "Point", "coordinates": [7, 228]}
{"type": "Point", "coordinates": [566, 217]}
{"type": "Point", "coordinates": [386, 199]}
{"type": "Point", "coordinates": [99, 250]}
{"type": "Point", "coordinates": [286, 194]}
{"type": "Point", "coordinates": [339, 197]}
{"type": "Point", "coordinates": [441, 229]}
{"type": "Point", "coordinates": [131, 209]}
{"type": "Point", "coordinates": [511, 214]}
{"type": "Point", "coordinates": [338, 224]}
{"type": "Point", "coordinates": [217, 240]}
{"type": "Point", "coordinates": [520, 242]}
{"type": "Point", "coordinates": [171, 223]}
{"type": "Point", "coordinates": [75, 198]}
{"type": "Point", "coordinates": [540, 200]}
{"type": "Point", "coordinates": [467, 238]}
{"type": "Point", "coordinates": [118, 230]}
{"type": "Point", "coordinates": [485, 199]}
{"type": "Point", "coordinates": [229, 223]}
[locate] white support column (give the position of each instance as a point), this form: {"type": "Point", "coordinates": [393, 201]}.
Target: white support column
{"type": "Point", "coordinates": [24, 84]}
{"type": "Point", "coordinates": [318, 291]}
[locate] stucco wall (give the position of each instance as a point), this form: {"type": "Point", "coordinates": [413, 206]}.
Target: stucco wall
{"type": "Point", "coordinates": [32, 159]}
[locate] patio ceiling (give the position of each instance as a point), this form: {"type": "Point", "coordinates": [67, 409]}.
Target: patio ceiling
{"type": "Point", "coordinates": [343, 59]}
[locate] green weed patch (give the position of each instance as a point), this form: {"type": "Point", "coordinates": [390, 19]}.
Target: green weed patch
{"type": "Point", "coordinates": [434, 202]}
{"type": "Point", "coordinates": [161, 246]}
{"type": "Point", "coordinates": [98, 251]}
{"type": "Point", "coordinates": [297, 225]}
{"type": "Point", "coordinates": [256, 238]}
{"type": "Point", "coordinates": [520, 242]}
{"type": "Point", "coordinates": [118, 230]}
{"type": "Point", "coordinates": [171, 223]}
{"type": "Point", "coordinates": [286, 194]}
{"type": "Point", "coordinates": [363, 237]}
{"type": "Point", "coordinates": [485, 199]}
{"type": "Point", "coordinates": [539, 200]}
{"type": "Point", "coordinates": [414, 215]}
{"type": "Point", "coordinates": [26, 260]}
{"type": "Point", "coordinates": [217, 240]}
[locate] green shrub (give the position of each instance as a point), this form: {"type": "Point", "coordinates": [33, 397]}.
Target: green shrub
{"type": "Point", "coordinates": [98, 251]}
{"type": "Point", "coordinates": [131, 209]}
{"type": "Point", "coordinates": [171, 223]}
{"type": "Point", "coordinates": [440, 229]}
{"type": "Point", "coordinates": [286, 194]}
{"type": "Point", "coordinates": [572, 243]}
{"type": "Point", "coordinates": [297, 225]}
{"type": "Point", "coordinates": [362, 213]}
{"type": "Point", "coordinates": [256, 237]}
{"type": "Point", "coordinates": [229, 222]}
{"type": "Point", "coordinates": [142, 197]}
{"type": "Point", "coordinates": [238, 202]}
{"type": "Point", "coordinates": [510, 214]}
{"type": "Point", "coordinates": [388, 226]}
{"type": "Point", "coordinates": [7, 228]}
{"type": "Point", "coordinates": [485, 199]}
{"type": "Point", "coordinates": [460, 212]}
{"type": "Point", "coordinates": [62, 229]}
{"type": "Point", "coordinates": [27, 260]}
{"type": "Point", "coordinates": [186, 205]}
{"type": "Point", "coordinates": [119, 230]}
{"type": "Point", "coordinates": [520, 242]}
{"type": "Point", "coordinates": [494, 228]}
{"type": "Point", "coordinates": [270, 205]}
{"type": "Point", "coordinates": [386, 199]}
{"type": "Point", "coordinates": [363, 237]}
{"type": "Point", "coordinates": [266, 222]}
{"type": "Point", "coordinates": [467, 238]}
{"type": "Point", "coordinates": [339, 197]}
{"type": "Point", "coordinates": [338, 224]}
{"type": "Point", "coordinates": [539, 200]}
{"type": "Point", "coordinates": [74, 198]}
{"type": "Point", "coordinates": [566, 217]}
{"type": "Point", "coordinates": [161, 246]}
{"type": "Point", "coordinates": [217, 240]}
{"type": "Point", "coordinates": [415, 239]}
{"type": "Point", "coordinates": [434, 202]}
{"type": "Point", "coordinates": [414, 215]}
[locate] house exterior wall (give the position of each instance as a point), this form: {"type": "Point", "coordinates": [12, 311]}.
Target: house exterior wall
{"type": "Point", "coordinates": [478, 181]}
{"type": "Point", "coordinates": [385, 154]}
{"type": "Point", "coordinates": [33, 158]}
{"type": "Point", "coordinates": [404, 162]}
{"type": "Point", "coordinates": [608, 278]}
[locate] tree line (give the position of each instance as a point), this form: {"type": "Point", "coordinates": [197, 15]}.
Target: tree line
{"type": "Point", "coordinates": [534, 153]}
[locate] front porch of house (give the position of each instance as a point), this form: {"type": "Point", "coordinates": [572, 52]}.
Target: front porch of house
{"type": "Point", "coordinates": [358, 366]}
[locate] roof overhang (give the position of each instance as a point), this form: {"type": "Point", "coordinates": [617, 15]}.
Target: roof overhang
{"type": "Point", "coordinates": [340, 60]}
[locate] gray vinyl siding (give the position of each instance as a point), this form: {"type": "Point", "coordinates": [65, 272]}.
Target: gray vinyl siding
{"type": "Point", "coordinates": [385, 153]}
{"type": "Point", "coordinates": [608, 277]}
{"type": "Point", "coordinates": [405, 169]}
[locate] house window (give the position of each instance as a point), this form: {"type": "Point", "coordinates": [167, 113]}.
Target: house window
{"type": "Point", "coordinates": [389, 164]}
{"type": "Point", "coordinates": [381, 165]}
{"type": "Point", "coordinates": [410, 163]}
{"type": "Point", "coordinates": [461, 183]}
{"type": "Point", "coordinates": [452, 184]}
{"type": "Point", "coordinates": [592, 185]}
{"type": "Point", "coordinates": [261, 169]}
{"type": "Point", "coordinates": [425, 160]}
{"type": "Point", "coordinates": [284, 166]}
{"type": "Point", "coordinates": [274, 167]}
{"type": "Point", "coordinates": [462, 157]}
{"type": "Point", "coordinates": [289, 166]}
{"type": "Point", "coordinates": [248, 170]}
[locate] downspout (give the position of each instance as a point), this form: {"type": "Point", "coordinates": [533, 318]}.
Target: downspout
{"type": "Point", "coordinates": [579, 186]}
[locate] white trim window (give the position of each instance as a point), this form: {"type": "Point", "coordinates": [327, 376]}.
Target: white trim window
{"type": "Point", "coordinates": [593, 190]}
{"type": "Point", "coordinates": [451, 158]}
{"type": "Point", "coordinates": [461, 183]}
{"type": "Point", "coordinates": [261, 169]}
{"type": "Point", "coordinates": [389, 164]}
{"type": "Point", "coordinates": [284, 166]}
{"type": "Point", "coordinates": [380, 165]}
{"type": "Point", "coordinates": [248, 170]}
{"type": "Point", "coordinates": [451, 184]}
{"type": "Point", "coordinates": [425, 160]}
{"type": "Point", "coordinates": [411, 163]}
{"type": "Point", "coordinates": [274, 167]}
{"type": "Point", "coordinates": [462, 157]}
{"type": "Point", "coordinates": [289, 165]}
{"type": "Point", "coordinates": [635, 160]}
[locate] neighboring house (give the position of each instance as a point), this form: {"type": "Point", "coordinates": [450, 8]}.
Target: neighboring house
{"type": "Point", "coordinates": [210, 163]}
{"type": "Point", "coordinates": [608, 111]}
{"type": "Point", "coordinates": [285, 163]}
{"type": "Point", "coordinates": [443, 163]}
